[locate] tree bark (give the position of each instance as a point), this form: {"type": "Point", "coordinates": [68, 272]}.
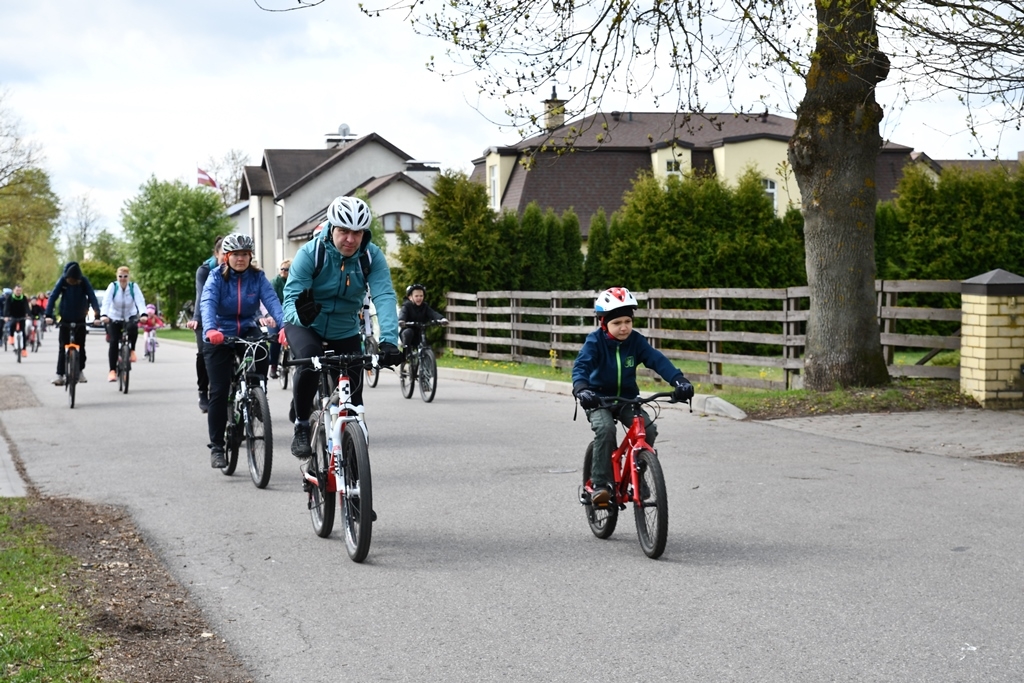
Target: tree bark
{"type": "Point", "coordinates": [833, 154]}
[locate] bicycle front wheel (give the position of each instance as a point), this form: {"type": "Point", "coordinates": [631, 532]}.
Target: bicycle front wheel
{"type": "Point", "coordinates": [124, 368]}
{"type": "Point", "coordinates": [406, 378]}
{"type": "Point", "coordinates": [259, 437]}
{"type": "Point", "coordinates": [232, 439]}
{"type": "Point", "coordinates": [650, 505]}
{"type": "Point", "coordinates": [602, 521]}
{"type": "Point", "coordinates": [357, 492]}
{"type": "Point", "coordinates": [71, 375]}
{"type": "Point", "coordinates": [428, 375]}
{"type": "Point", "coordinates": [322, 503]}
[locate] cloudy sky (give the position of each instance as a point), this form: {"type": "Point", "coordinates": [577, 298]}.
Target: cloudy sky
{"type": "Point", "coordinates": [117, 91]}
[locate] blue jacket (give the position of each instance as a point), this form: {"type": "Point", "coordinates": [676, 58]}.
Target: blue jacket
{"type": "Point", "coordinates": [75, 300]}
{"type": "Point", "coordinates": [339, 288]}
{"type": "Point", "coordinates": [232, 304]}
{"type": "Point", "coordinates": [608, 366]}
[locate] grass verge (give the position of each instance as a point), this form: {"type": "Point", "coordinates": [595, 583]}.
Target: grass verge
{"type": "Point", "coordinates": [902, 395]}
{"type": "Point", "coordinates": [40, 628]}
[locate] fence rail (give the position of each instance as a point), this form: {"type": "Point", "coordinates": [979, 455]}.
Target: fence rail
{"type": "Point", "coordinates": [762, 328]}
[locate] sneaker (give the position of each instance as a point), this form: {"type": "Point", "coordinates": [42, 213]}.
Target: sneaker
{"type": "Point", "coordinates": [300, 442]}
{"type": "Point", "coordinates": [204, 402]}
{"type": "Point", "coordinates": [133, 357]}
{"type": "Point", "coordinates": [58, 381]}
{"type": "Point", "coordinates": [601, 496]}
{"type": "Point", "coordinates": [217, 458]}
{"type": "Point", "coordinates": [81, 378]}
{"type": "Point", "coordinates": [111, 376]}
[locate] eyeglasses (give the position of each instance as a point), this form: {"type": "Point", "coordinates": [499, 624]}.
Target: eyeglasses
{"type": "Point", "coordinates": [284, 270]}
{"type": "Point", "coordinates": [122, 277]}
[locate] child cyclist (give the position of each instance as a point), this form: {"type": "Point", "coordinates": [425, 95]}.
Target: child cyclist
{"type": "Point", "coordinates": [151, 322]}
{"type": "Point", "coordinates": [606, 366]}
{"type": "Point", "coordinates": [414, 310]}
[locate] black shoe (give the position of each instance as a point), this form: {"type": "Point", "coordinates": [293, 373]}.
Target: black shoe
{"type": "Point", "coordinates": [300, 442]}
{"type": "Point", "coordinates": [273, 372]}
{"type": "Point", "coordinates": [217, 458]}
{"type": "Point", "coordinates": [204, 402]}
{"type": "Point", "coordinates": [601, 496]}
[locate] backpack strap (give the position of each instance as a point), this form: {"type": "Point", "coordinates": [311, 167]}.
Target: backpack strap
{"type": "Point", "coordinates": [320, 256]}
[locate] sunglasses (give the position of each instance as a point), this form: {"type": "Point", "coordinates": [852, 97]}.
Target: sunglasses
{"type": "Point", "coordinates": [284, 270]}
{"type": "Point", "coordinates": [122, 277]}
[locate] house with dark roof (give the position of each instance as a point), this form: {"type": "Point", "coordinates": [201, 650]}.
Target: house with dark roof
{"type": "Point", "coordinates": [590, 163]}
{"type": "Point", "coordinates": [287, 195]}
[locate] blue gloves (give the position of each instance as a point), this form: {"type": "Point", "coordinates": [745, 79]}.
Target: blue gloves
{"type": "Point", "coordinates": [682, 392]}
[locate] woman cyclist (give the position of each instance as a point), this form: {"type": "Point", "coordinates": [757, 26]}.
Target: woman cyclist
{"type": "Point", "coordinates": [231, 307]}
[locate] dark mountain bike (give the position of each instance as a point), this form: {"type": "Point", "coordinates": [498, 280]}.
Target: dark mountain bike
{"type": "Point", "coordinates": [419, 364]}
{"type": "Point", "coordinates": [249, 413]}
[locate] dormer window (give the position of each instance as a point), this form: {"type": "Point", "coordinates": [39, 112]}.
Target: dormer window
{"type": "Point", "coordinates": [769, 189]}
{"type": "Point", "coordinates": [492, 172]}
{"type": "Point", "coordinates": [672, 167]}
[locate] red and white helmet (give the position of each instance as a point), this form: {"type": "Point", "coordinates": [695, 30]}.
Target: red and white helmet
{"type": "Point", "coordinates": [612, 299]}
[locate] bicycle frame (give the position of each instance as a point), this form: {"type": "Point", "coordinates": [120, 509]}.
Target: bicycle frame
{"type": "Point", "coordinates": [337, 413]}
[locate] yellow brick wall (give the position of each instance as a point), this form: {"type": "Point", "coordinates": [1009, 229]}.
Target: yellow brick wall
{"type": "Point", "coordinates": [992, 349]}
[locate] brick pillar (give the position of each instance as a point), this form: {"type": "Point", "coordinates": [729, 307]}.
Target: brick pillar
{"type": "Point", "coordinates": [992, 339]}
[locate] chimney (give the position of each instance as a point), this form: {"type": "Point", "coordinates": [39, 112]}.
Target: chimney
{"type": "Point", "coordinates": [554, 111]}
{"type": "Point", "coordinates": [339, 139]}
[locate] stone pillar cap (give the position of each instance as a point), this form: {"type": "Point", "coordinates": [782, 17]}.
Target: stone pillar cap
{"type": "Point", "coordinates": [996, 282]}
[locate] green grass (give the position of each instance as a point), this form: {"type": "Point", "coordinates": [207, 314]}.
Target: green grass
{"type": "Point", "coordinates": [179, 334]}
{"type": "Point", "coordinates": [40, 636]}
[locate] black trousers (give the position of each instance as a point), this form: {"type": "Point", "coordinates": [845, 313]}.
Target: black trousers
{"type": "Point", "coordinates": [306, 343]}
{"type": "Point", "coordinates": [114, 328]}
{"type": "Point", "coordinates": [64, 337]}
{"type": "Point", "coordinates": [202, 377]}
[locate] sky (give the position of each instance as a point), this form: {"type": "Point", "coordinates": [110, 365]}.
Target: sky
{"type": "Point", "coordinates": [116, 92]}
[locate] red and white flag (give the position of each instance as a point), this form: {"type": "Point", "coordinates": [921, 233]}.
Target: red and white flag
{"type": "Point", "coordinates": [206, 179]}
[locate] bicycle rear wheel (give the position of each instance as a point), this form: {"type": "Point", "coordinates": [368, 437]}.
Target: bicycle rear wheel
{"type": "Point", "coordinates": [286, 372]}
{"type": "Point", "coordinates": [71, 375]}
{"type": "Point", "coordinates": [650, 505]}
{"type": "Point", "coordinates": [406, 378]}
{"type": "Point", "coordinates": [428, 375]}
{"type": "Point", "coordinates": [357, 492]}
{"type": "Point", "coordinates": [18, 345]}
{"type": "Point", "coordinates": [151, 349]}
{"type": "Point", "coordinates": [259, 437]}
{"type": "Point", "coordinates": [322, 503]}
{"type": "Point", "coordinates": [602, 521]}
{"type": "Point", "coordinates": [232, 439]}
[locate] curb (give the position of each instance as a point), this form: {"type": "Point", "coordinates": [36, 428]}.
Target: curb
{"type": "Point", "coordinates": [702, 403]}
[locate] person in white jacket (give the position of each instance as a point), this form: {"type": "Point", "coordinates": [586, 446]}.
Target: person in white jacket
{"type": "Point", "coordinates": [123, 304]}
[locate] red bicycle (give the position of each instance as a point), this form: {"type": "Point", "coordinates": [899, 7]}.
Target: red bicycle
{"type": "Point", "coordinates": [638, 480]}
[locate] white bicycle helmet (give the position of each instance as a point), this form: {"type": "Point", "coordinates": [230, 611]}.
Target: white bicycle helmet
{"type": "Point", "coordinates": [350, 213]}
{"type": "Point", "coordinates": [614, 303]}
{"type": "Point", "coordinates": [237, 242]}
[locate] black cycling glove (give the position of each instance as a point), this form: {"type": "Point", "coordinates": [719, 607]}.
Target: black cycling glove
{"type": "Point", "coordinates": [683, 390]}
{"type": "Point", "coordinates": [588, 399]}
{"type": "Point", "coordinates": [389, 355]}
{"type": "Point", "coordinates": [306, 307]}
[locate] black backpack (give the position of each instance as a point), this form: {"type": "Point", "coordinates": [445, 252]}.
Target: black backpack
{"type": "Point", "coordinates": [365, 260]}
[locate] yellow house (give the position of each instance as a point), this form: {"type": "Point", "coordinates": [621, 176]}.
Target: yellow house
{"type": "Point", "coordinates": [591, 162]}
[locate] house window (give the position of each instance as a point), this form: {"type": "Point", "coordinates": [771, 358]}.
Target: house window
{"type": "Point", "coordinates": [672, 167]}
{"type": "Point", "coordinates": [769, 189]}
{"type": "Point", "coordinates": [495, 197]}
{"type": "Point", "coordinates": [408, 222]}
{"type": "Point", "coordinates": [280, 227]}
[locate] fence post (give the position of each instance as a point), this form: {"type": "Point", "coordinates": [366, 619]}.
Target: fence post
{"type": "Point", "coordinates": [653, 322]}
{"type": "Point", "coordinates": [713, 346]}
{"type": "Point", "coordinates": [886, 299]}
{"type": "Point", "coordinates": [556, 321]}
{"type": "Point", "coordinates": [516, 333]}
{"type": "Point", "coordinates": [479, 325]}
{"type": "Point", "coordinates": [790, 329]}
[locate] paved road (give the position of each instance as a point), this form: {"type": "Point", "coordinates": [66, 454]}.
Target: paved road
{"type": "Point", "coordinates": [792, 555]}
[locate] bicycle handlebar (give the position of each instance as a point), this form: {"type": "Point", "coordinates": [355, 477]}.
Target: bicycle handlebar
{"type": "Point", "coordinates": [336, 361]}
{"type": "Point", "coordinates": [429, 323]}
{"type": "Point", "coordinates": [611, 401]}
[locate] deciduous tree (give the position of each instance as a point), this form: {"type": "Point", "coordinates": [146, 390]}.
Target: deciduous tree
{"type": "Point", "coordinates": [171, 226]}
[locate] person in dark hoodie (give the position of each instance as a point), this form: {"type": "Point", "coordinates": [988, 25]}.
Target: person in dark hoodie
{"type": "Point", "coordinates": [196, 323]}
{"type": "Point", "coordinates": [76, 294]}
{"type": "Point", "coordinates": [415, 310]}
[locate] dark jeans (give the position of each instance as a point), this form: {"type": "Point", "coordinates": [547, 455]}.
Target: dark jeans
{"type": "Point", "coordinates": [410, 339]}
{"type": "Point", "coordinates": [114, 328]}
{"type": "Point", "coordinates": [202, 377]}
{"type": "Point", "coordinates": [602, 421]}
{"type": "Point", "coordinates": [64, 337]}
{"type": "Point", "coordinates": [306, 343]}
{"type": "Point", "coordinates": [220, 364]}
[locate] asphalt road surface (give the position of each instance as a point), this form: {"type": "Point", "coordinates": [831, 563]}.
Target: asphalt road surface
{"type": "Point", "coordinates": [792, 556]}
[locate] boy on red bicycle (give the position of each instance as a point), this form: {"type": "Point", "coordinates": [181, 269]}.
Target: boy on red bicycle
{"type": "Point", "coordinates": [606, 366]}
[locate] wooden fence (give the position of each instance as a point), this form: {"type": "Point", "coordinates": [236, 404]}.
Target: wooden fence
{"type": "Point", "coordinates": [763, 328]}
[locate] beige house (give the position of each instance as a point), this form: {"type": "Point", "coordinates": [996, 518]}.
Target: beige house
{"type": "Point", "coordinates": [284, 198]}
{"type": "Point", "coordinates": [612, 148]}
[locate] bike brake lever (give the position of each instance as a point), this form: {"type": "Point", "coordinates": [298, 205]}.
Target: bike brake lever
{"type": "Point", "coordinates": [315, 362]}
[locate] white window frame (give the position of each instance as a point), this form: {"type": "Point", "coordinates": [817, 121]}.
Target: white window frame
{"type": "Point", "coordinates": [492, 171]}
{"type": "Point", "coordinates": [771, 189]}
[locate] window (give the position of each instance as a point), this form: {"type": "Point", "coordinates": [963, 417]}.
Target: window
{"type": "Point", "coordinates": [769, 189]}
{"type": "Point", "coordinates": [280, 227]}
{"type": "Point", "coordinates": [408, 222]}
{"type": "Point", "coordinates": [495, 196]}
{"type": "Point", "coordinates": [672, 167]}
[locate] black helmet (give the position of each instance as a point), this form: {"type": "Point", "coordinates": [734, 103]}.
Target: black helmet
{"type": "Point", "coordinates": [412, 288]}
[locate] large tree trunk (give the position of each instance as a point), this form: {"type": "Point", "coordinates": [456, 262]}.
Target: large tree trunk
{"type": "Point", "coordinates": [833, 154]}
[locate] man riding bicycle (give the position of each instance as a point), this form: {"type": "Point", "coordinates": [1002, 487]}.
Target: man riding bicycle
{"type": "Point", "coordinates": [75, 293]}
{"type": "Point", "coordinates": [122, 302]}
{"type": "Point", "coordinates": [323, 296]}
{"type": "Point", "coordinates": [16, 310]}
